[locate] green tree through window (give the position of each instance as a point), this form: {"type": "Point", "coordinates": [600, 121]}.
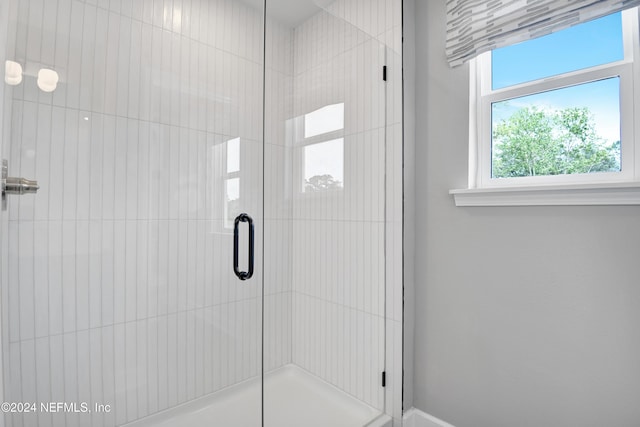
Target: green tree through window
{"type": "Point", "coordinates": [535, 142]}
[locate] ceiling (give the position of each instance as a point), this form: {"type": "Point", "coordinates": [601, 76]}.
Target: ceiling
{"type": "Point", "coordinates": [290, 12]}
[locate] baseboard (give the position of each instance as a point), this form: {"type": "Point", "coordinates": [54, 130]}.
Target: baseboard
{"type": "Point", "coordinates": [416, 418]}
{"type": "Point", "coordinates": [383, 420]}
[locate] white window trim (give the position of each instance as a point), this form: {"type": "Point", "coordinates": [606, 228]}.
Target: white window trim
{"type": "Point", "coordinates": [615, 188]}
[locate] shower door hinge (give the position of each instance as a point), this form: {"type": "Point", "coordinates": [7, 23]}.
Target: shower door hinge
{"type": "Point", "coordinates": [384, 379]}
{"type": "Point", "coordinates": [384, 73]}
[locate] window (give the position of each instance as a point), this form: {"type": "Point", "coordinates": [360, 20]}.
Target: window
{"type": "Point", "coordinates": [559, 109]}
{"type": "Point", "coordinates": [324, 165]}
{"type": "Point", "coordinates": [232, 182]}
{"type": "Point", "coordinates": [321, 147]}
{"type": "Point", "coordinates": [326, 119]}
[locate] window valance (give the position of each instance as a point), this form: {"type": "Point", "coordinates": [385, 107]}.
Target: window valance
{"type": "Point", "coordinates": [476, 26]}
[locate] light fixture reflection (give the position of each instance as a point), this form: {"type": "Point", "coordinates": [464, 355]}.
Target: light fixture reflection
{"type": "Point", "coordinates": [47, 80]}
{"type": "Point", "coordinates": [12, 73]}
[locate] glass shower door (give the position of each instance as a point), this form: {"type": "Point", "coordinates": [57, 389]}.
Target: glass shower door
{"type": "Point", "coordinates": [325, 211]}
{"type": "Point", "coordinates": [142, 123]}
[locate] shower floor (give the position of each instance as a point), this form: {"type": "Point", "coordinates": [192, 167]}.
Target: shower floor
{"type": "Point", "coordinates": [293, 398]}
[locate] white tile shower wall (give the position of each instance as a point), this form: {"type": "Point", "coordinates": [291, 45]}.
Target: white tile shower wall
{"type": "Point", "coordinates": [118, 287]}
{"type": "Point", "coordinates": [165, 149]}
{"type": "Point", "coordinates": [338, 247]}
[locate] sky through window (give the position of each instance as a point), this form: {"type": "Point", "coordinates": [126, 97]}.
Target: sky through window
{"type": "Point", "coordinates": [586, 45]}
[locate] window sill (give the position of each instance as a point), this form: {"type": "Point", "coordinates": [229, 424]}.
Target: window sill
{"type": "Point", "coordinates": [556, 195]}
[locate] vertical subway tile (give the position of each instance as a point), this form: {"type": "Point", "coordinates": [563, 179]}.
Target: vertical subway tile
{"type": "Point", "coordinates": [96, 364]}
{"type": "Point", "coordinates": [84, 374]}
{"type": "Point", "coordinates": [131, 369]}
{"type": "Point", "coordinates": [95, 165]}
{"type": "Point", "coordinates": [135, 69]}
{"type": "Point", "coordinates": [74, 58]}
{"type": "Point", "coordinates": [98, 78]}
{"type": "Point", "coordinates": [86, 77]}
{"type": "Point", "coordinates": [121, 403]}
{"type": "Point", "coordinates": [124, 69]}
{"type": "Point", "coordinates": [94, 283]}
{"type": "Point", "coordinates": [82, 275]}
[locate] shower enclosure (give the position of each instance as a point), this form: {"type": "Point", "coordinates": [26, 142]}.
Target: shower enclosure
{"type": "Point", "coordinates": [216, 234]}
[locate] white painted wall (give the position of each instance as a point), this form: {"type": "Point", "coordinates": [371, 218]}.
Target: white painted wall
{"type": "Point", "coordinates": [524, 316]}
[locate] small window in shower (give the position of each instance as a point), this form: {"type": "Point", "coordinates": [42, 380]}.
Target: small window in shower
{"type": "Point", "coordinates": [322, 149]}
{"type": "Point", "coordinates": [324, 166]}
{"type": "Point", "coordinates": [233, 155]}
{"type": "Point", "coordinates": [327, 119]}
{"type": "Point", "coordinates": [232, 202]}
{"type": "Point", "coordinates": [232, 182]}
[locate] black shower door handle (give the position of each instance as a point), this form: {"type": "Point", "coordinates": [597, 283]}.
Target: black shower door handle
{"type": "Point", "coordinates": [243, 275]}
